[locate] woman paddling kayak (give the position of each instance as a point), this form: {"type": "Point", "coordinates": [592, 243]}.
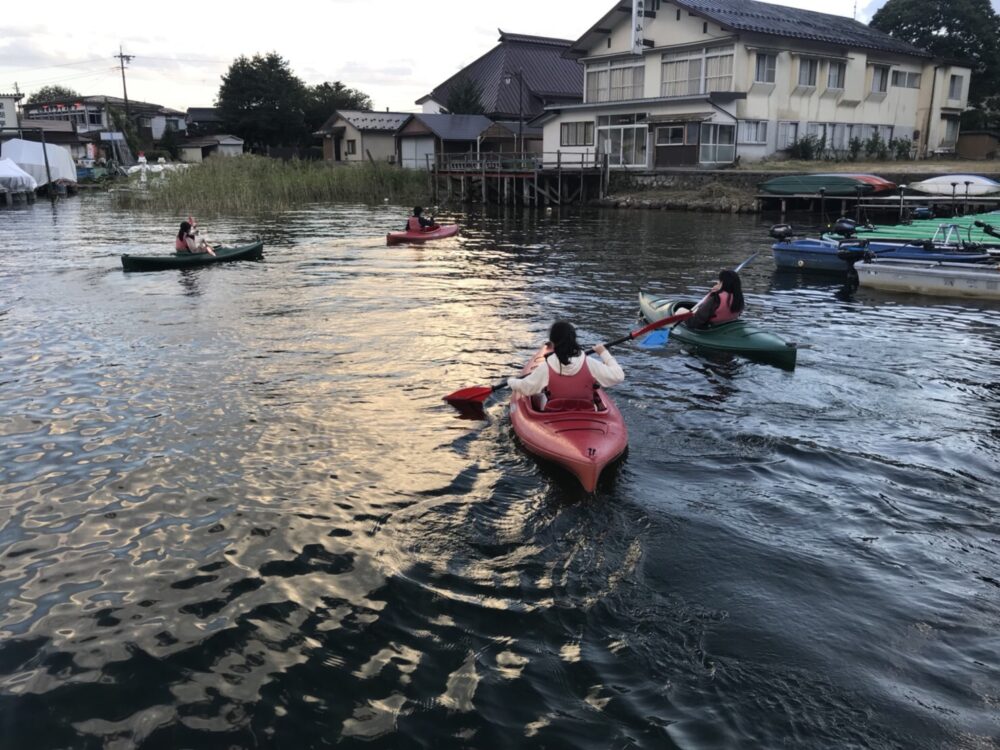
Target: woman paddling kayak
{"type": "Point", "coordinates": [723, 303]}
{"type": "Point", "coordinates": [569, 377]}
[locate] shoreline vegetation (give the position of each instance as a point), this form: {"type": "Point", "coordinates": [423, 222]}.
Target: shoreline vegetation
{"type": "Point", "coordinates": [259, 184]}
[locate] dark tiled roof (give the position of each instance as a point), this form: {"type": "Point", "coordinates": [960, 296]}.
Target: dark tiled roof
{"type": "Point", "coordinates": [773, 20]}
{"type": "Point", "coordinates": [204, 114]}
{"type": "Point", "coordinates": [547, 74]}
{"type": "Point", "coordinates": [455, 127]}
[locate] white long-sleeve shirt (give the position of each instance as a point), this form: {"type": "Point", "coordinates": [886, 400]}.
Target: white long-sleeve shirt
{"type": "Point", "coordinates": [606, 371]}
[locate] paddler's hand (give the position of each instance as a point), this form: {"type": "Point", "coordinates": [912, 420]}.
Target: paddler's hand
{"type": "Point", "coordinates": [600, 350]}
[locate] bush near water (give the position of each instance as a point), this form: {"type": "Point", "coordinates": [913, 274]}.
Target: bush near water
{"type": "Point", "coordinates": [258, 184]}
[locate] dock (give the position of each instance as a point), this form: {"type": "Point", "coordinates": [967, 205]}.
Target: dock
{"type": "Point", "coordinates": [903, 204]}
{"type": "Point", "coordinates": [532, 179]}
{"type": "Point", "coordinates": [10, 197]}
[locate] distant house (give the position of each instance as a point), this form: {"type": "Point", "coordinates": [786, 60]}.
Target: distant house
{"type": "Point", "coordinates": [517, 79]}
{"type": "Point", "coordinates": [198, 149]}
{"type": "Point", "coordinates": [354, 136]}
{"type": "Point", "coordinates": [58, 132]}
{"type": "Point", "coordinates": [203, 121]}
{"type": "Point", "coordinates": [89, 113]}
{"type": "Point", "coordinates": [702, 82]}
{"type": "Point", "coordinates": [8, 110]}
{"type": "Point", "coordinates": [978, 144]}
{"type": "Point", "coordinates": [423, 137]}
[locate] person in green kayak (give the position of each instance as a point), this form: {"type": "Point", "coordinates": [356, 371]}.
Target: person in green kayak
{"type": "Point", "coordinates": [569, 376]}
{"type": "Point", "coordinates": [187, 240]}
{"type": "Point", "coordinates": [723, 303]}
{"type": "Point", "coordinates": [418, 223]}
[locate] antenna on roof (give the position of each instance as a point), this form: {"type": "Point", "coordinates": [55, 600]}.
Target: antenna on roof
{"type": "Point", "coordinates": [855, 10]}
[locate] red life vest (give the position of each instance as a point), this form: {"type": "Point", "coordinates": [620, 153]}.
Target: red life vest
{"type": "Point", "coordinates": [413, 224]}
{"type": "Point", "coordinates": [724, 312]}
{"type": "Point", "coordinates": [570, 391]}
{"type": "Point", "coordinates": [180, 245]}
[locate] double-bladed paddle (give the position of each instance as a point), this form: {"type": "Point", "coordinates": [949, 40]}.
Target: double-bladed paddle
{"type": "Point", "coordinates": [479, 393]}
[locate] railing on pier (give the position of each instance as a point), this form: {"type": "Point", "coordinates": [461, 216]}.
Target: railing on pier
{"type": "Point", "coordinates": [509, 161]}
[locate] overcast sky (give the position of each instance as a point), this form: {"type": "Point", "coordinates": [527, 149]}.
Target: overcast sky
{"type": "Point", "coordinates": [395, 51]}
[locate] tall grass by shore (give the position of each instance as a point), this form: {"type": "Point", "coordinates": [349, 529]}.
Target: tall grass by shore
{"type": "Point", "coordinates": [256, 184]}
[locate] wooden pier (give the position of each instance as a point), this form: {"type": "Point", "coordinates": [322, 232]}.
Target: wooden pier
{"type": "Point", "coordinates": [532, 179]}
{"type": "Point", "coordinates": [903, 204]}
{"type": "Point", "coordinates": [9, 197]}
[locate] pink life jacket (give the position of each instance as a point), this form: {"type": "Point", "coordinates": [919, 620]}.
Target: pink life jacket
{"type": "Point", "coordinates": [180, 245]}
{"type": "Point", "coordinates": [413, 224]}
{"type": "Point", "coordinates": [724, 312]}
{"type": "Point", "coordinates": [570, 391]}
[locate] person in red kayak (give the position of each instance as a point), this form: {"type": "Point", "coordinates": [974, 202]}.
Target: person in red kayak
{"type": "Point", "coordinates": [569, 376]}
{"type": "Point", "coordinates": [722, 304]}
{"type": "Point", "coordinates": [418, 223]}
{"type": "Point", "coordinates": [187, 240]}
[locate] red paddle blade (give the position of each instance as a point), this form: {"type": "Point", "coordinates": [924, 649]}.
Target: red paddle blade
{"type": "Point", "coordinates": [474, 395]}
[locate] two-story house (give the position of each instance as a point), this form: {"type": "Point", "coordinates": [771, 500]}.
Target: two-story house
{"type": "Point", "coordinates": [704, 82]}
{"type": "Point", "coordinates": [92, 113]}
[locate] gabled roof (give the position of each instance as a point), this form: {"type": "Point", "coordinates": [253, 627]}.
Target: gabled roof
{"type": "Point", "coordinates": [453, 127]}
{"type": "Point", "coordinates": [766, 18]}
{"type": "Point", "coordinates": [388, 122]}
{"type": "Point", "coordinates": [547, 74]}
{"type": "Point", "coordinates": [212, 140]}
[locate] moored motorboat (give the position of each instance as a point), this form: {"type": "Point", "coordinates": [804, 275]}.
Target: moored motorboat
{"type": "Point", "coordinates": [584, 438]}
{"type": "Point", "coordinates": [253, 251]}
{"type": "Point", "coordinates": [837, 256]}
{"type": "Point", "coordinates": [439, 233]}
{"type": "Point", "coordinates": [738, 336]}
{"type": "Point", "coordinates": [936, 279]}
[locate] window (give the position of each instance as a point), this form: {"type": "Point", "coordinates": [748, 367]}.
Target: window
{"type": "Point", "coordinates": [880, 79]}
{"type": "Point", "coordinates": [718, 144]}
{"type": "Point", "coordinates": [352, 146]}
{"type": "Point", "coordinates": [172, 124]}
{"type": "Point", "coordinates": [753, 131]}
{"type": "Point", "coordinates": [576, 134]}
{"type": "Point", "coordinates": [905, 79]}
{"type": "Point", "coordinates": [836, 75]}
{"type": "Point", "coordinates": [615, 82]}
{"type": "Point", "coordinates": [950, 137]}
{"type": "Point", "coordinates": [955, 87]}
{"type": "Point", "coordinates": [94, 118]}
{"type": "Point", "coordinates": [788, 133]}
{"type": "Point", "coordinates": [670, 135]}
{"type": "Point", "coordinates": [807, 71]}
{"type": "Point", "coordinates": [766, 67]}
{"type": "Point", "coordinates": [698, 71]}
{"type": "Point", "coordinates": [623, 138]}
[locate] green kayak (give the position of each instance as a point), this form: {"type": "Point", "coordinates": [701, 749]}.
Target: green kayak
{"type": "Point", "coordinates": [253, 251]}
{"type": "Point", "coordinates": [737, 337]}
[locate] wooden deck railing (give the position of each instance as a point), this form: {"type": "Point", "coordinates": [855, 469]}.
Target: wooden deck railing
{"type": "Point", "coordinates": [508, 161]}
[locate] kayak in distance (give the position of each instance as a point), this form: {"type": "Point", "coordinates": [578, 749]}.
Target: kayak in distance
{"type": "Point", "coordinates": [583, 437]}
{"type": "Point", "coordinates": [835, 184]}
{"type": "Point", "coordinates": [439, 233]}
{"type": "Point", "coordinates": [253, 251]}
{"type": "Point", "coordinates": [958, 185]}
{"type": "Point", "coordinates": [736, 337]}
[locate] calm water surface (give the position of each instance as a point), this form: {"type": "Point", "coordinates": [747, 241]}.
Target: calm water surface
{"type": "Point", "coordinates": [235, 513]}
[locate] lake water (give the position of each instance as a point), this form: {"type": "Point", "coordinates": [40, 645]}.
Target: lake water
{"type": "Point", "coordinates": [235, 512]}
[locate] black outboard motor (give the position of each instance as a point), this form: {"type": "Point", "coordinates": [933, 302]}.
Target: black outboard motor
{"type": "Point", "coordinates": [845, 227]}
{"type": "Point", "coordinates": [782, 232]}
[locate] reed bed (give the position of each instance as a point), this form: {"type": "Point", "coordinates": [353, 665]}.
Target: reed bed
{"type": "Point", "coordinates": [255, 184]}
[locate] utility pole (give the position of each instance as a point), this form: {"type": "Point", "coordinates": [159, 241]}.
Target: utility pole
{"type": "Point", "coordinates": [122, 59]}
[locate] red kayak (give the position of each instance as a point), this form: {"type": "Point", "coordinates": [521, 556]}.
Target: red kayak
{"type": "Point", "coordinates": [397, 238]}
{"type": "Point", "coordinates": [583, 438]}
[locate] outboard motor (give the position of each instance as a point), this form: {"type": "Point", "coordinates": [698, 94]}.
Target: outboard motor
{"type": "Point", "coordinates": [845, 227]}
{"type": "Point", "coordinates": [782, 232]}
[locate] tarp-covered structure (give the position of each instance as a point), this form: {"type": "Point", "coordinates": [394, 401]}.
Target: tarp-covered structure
{"type": "Point", "coordinates": [29, 156]}
{"type": "Point", "coordinates": [15, 179]}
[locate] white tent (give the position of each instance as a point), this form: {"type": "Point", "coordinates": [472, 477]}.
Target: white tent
{"type": "Point", "coordinates": [15, 179]}
{"type": "Point", "coordinates": [29, 156]}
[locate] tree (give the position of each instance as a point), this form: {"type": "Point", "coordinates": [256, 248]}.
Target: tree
{"type": "Point", "coordinates": [464, 97]}
{"type": "Point", "coordinates": [50, 93]}
{"type": "Point", "coordinates": [324, 99]}
{"type": "Point", "coordinates": [263, 102]}
{"type": "Point", "coordinates": [963, 30]}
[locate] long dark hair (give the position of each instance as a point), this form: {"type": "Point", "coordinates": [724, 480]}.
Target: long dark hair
{"type": "Point", "coordinates": [185, 230]}
{"type": "Point", "coordinates": [562, 336]}
{"type": "Point", "coordinates": [731, 283]}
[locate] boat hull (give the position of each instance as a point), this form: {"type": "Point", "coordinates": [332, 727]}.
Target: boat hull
{"type": "Point", "coordinates": [253, 251]}
{"type": "Point", "coordinates": [736, 337]}
{"type": "Point", "coordinates": [831, 256]}
{"type": "Point", "coordinates": [935, 279]}
{"type": "Point", "coordinates": [582, 441]}
{"type": "Point", "coordinates": [841, 184]}
{"type": "Point", "coordinates": [956, 185]}
{"type": "Point", "coordinates": [399, 238]}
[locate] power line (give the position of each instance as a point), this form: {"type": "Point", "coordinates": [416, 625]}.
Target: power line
{"type": "Point", "coordinates": [58, 65]}
{"type": "Point", "coordinates": [46, 81]}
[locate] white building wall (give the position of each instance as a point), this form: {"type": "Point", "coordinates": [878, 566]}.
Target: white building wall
{"type": "Point", "coordinates": [8, 112]}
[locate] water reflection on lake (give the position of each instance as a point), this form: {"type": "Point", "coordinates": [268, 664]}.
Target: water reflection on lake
{"type": "Point", "coordinates": [234, 511]}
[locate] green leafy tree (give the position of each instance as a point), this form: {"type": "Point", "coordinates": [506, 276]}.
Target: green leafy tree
{"type": "Point", "coordinates": [464, 98]}
{"type": "Point", "coordinates": [263, 102]}
{"type": "Point", "coordinates": [325, 98]}
{"type": "Point", "coordinates": [965, 30]}
{"type": "Point", "coordinates": [51, 93]}
{"type": "Point", "coordinates": [170, 142]}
